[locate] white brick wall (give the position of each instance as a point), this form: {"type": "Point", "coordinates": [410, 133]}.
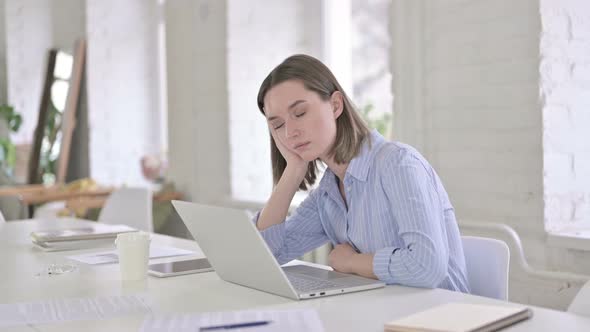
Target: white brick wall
{"type": "Point", "coordinates": [28, 38]}
{"type": "Point", "coordinates": [482, 118]}
{"type": "Point", "coordinates": [3, 77]}
{"type": "Point", "coordinates": [122, 76]}
{"type": "Point", "coordinates": [261, 34]}
{"type": "Point", "coordinates": [501, 111]}
{"type": "Point", "coordinates": [565, 89]}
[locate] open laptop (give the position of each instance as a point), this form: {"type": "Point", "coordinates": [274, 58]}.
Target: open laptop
{"type": "Point", "coordinates": [239, 254]}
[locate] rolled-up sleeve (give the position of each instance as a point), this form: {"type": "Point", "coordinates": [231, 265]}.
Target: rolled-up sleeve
{"type": "Point", "coordinates": [298, 234]}
{"type": "Point", "coordinates": [423, 259]}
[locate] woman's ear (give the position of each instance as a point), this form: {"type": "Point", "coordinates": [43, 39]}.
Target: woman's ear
{"type": "Point", "coordinates": [337, 101]}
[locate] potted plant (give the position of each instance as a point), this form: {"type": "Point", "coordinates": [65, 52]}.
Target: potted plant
{"type": "Point", "coordinates": [10, 121]}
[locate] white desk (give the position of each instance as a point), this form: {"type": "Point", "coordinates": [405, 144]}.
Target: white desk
{"type": "Point", "coordinates": [363, 311]}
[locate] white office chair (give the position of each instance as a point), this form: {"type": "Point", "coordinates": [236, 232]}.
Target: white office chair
{"type": "Point", "coordinates": [581, 303]}
{"type": "Point", "coordinates": [129, 206]}
{"type": "Point", "coordinates": [487, 262]}
{"type": "Point", "coordinates": [49, 210]}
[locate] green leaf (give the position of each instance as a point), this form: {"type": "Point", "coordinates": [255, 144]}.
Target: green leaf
{"type": "Point", "coordinates": [9, 153]}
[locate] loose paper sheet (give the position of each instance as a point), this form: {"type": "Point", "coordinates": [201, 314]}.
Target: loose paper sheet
{"type": "Point", "coordinates": [59, 310]}
{"type": "Point", "coordinates": [111, 256]}
{"type": "Point", "coordinates": [280, 320]}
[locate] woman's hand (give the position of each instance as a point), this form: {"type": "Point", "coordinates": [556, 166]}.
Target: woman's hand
{"type": "Point", "coordinates": [340, 258]}
{"type": "Point", "coordinates": [278, 204]}
{"type": "Point", "coordinates": [346, 260]}
{"type": "Point", "coordinates": [294, 161]}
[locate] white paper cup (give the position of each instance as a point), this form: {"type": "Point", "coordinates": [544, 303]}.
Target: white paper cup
{"type": "Point", "coordinates": [133, 250]}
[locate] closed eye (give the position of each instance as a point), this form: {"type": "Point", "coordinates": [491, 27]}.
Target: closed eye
{"type": "Point", "coordinates": [278, 126]}
{"type": "Point", "coordinates": [300, 114]}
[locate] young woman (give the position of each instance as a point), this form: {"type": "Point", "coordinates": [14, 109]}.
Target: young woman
{"type": "Point", "coordinates": [379, 203]}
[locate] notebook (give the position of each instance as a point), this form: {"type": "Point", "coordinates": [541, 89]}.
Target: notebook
{"type": "Point", "coordinates": [74, 244]}
{"type": "Point", "coordinates": [464, 317]}
{"type": "Point", "coordinates": [97, 231]}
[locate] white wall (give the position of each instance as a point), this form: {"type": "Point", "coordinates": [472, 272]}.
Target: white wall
{"type": "Point", "coordinates": [466, 87]}
{"type": "Point", "coordinates": [68, 22]}
{"type": "Point", "coordinates": [28, 38]}
{"type": "Point", "coordinates": [479, 88]}
{"type": "Point", "coordinates": [482, 111]}
{"type": "Point", "coordinates": [565, 92]}
{"type": "Point", "coordinates": [3, 79]}
{"type": "Point", "coordinates": [565, 88]}
{"type": "Point", "coordinates": [122, 80]}
{"type": "Point", "coordinates": [197, 98]}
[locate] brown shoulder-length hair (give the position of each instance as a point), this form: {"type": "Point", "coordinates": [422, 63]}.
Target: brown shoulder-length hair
{"type": "Point", "coordinates": [351, 130]}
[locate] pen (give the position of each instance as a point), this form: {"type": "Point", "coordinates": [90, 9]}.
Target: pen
{"type": "Point", "coordinates": [234, 326]}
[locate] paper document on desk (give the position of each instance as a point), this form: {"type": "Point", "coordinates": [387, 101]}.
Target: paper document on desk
{"type": "Point", "coordinates": [60, 310]}
{"type": "Point", "coordinates": [253, 320]}
{"type": "Point", "coordinates": [111, 256]}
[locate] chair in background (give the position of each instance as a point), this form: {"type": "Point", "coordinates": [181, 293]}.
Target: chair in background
{"type": "Point", "coordinates": [129, 206]}
{"type": "Point", "coordinates": [49, 210]}
{"type": "Point", "coordinates": [2, 220]}
{"type": "Point", "coordinates": [581, 303]}
{"type": "Point", "coordinates": [12, 207]}
{"type": "Point", "coordinates": [487, 262]}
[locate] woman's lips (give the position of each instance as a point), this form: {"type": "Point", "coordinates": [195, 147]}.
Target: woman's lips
{"type": "Point", "coordinates": [301, 146]}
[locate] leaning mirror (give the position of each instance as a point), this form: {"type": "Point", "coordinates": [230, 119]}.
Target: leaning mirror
{"type": "Point", "coordinates": [59, 100]}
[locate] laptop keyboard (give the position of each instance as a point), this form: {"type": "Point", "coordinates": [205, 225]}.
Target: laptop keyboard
{"type": "Point", "coordinates": [306, 284]}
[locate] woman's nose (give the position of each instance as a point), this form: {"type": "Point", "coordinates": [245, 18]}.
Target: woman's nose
{"type": "Point", "coordinates": [291, 129]}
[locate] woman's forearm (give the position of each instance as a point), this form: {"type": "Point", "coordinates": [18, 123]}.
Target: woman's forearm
{"type": "Point", "coordinates": [277, 207]}
{"type": "Point", "coordinates": [362, 264]}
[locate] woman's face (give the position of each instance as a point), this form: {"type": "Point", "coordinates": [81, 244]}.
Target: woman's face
{"type": "Point", "coordinates": [301, 120]}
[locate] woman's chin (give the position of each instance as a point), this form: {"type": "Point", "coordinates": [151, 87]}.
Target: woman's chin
{"type": "Point", "coordinates": [308, 157]}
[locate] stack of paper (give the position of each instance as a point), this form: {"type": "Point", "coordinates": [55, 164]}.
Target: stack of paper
{"type": "Point", "coordinates": [78, 238]}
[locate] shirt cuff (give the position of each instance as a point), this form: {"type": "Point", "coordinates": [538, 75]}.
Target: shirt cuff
{"type": "Point", "coordinates": [381, 262]}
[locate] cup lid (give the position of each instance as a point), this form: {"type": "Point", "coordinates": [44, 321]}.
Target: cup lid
{"type": "Point", "coordinates": [133, 237]}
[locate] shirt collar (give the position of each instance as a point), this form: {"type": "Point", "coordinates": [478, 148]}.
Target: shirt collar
{"type": "Point", "coordinates": [359, 166]}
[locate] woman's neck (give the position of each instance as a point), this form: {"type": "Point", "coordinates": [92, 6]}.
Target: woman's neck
{"type": "Point", "coordinates": [338, 169]}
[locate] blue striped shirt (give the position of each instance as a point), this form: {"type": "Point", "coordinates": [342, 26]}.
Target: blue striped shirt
{"type": "Point", "coordinates": [398, 210]}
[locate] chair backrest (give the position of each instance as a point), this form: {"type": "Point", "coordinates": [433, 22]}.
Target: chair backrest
{"type": "Point", "coordinates": [129, 206]}
{"type": "Point", "coordinates": [487, 262]}
{"type": "Point", "coordinates": [49, 210]}
{"type": "Point", "coordinates": [581, 303]}
{"type": "Point", "coordinates": [2, 217]}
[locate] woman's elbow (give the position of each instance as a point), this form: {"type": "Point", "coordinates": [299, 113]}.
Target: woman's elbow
{"type": "Point", "coordinates": [434, 273]}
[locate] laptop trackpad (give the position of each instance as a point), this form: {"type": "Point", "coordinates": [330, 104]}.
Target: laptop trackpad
{"type": "Point", "coordinates": [314, 272]}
